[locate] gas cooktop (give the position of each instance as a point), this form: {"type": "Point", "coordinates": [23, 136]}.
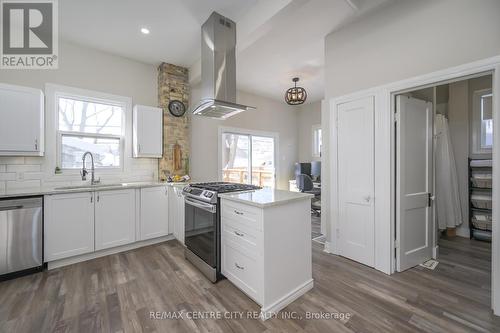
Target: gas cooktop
{"type": "Point", "coordinates": [224, 187]}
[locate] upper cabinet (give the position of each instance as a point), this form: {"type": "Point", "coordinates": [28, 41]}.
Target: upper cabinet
{"type": "Point", "coordinates": [21, 121]}
{"type": "Point", "coordinates": [148, 131]}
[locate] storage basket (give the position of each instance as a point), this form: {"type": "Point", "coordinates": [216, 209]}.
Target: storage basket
{"type": "Point", "coordinates": [481, 201]}
{"type": "Point", "coordinates": [481, 179]}
{"type": "Point", "coordinates": [483, 225]}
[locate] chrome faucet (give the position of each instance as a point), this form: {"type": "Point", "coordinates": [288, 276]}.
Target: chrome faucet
{"type": "Point", "coordinates": [84, 171]}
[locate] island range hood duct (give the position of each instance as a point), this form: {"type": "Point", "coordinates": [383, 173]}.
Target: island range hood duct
{"type": "Point", "coordinates": [218, 69]}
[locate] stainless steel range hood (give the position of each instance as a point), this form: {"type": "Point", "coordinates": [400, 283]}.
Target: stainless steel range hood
{"type": "Point", "coordinates": [218, 69]}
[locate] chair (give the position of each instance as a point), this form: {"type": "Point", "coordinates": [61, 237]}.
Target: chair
{"type": "Point", "coordinates": [305, 185]}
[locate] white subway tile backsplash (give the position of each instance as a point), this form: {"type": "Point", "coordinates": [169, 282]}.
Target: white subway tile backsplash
{"type": "Point", "coordinates": [8, 176]}
{"type": "Point", "coordinates": [12, 160]}
{"type": "Point", "coordinates": [23, 168]}
{"type": "Point", "coordinates": [32, 175]}
{"type": "Point", "coordinates": [34, 160]}
{"type": "Point", "coordinates": [28, 172]}
{"type": "Point", "coordinates": [18, 185]}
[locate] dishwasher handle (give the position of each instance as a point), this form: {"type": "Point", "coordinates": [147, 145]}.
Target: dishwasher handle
{"type": "Point", "coordinates": [11, 207]}
{"type": "Point", "coordinates": [20, 203]}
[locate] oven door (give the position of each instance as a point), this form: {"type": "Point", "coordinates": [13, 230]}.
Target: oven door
{"type": "Point", "coordinates": [201, 229]}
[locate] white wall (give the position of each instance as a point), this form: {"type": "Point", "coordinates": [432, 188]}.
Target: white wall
{"type": "Point", "coordinates": [270, 116]}
{"type": "Point", "coordinates": [403, 40]}
{"type": "Point", "coordinates": [88, 69]}
{"type": "Point", "coordinates": [407, 39]}
{"type": "Point", "coordinates": [308, 116]}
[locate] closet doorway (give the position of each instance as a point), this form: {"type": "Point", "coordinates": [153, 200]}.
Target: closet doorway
{"type": "Point", "coordinates": [444, 141]}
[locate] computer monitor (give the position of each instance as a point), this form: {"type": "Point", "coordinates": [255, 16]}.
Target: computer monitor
{"type": "Point", "coordinates": [316, 170]}
{"type": "Point", "coordinates": [302, 168]}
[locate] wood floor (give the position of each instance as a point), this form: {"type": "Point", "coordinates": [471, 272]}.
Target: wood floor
{"type": "Point", "coordinates": [118, 292]}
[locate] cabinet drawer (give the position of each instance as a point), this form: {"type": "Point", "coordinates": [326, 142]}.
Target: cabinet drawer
{"type": "Point", "coordinates": [243, 237]}
{"type": "Point", "coordinates": [248, 216]}
{"type": "Point", "coordinates": [240, 269]}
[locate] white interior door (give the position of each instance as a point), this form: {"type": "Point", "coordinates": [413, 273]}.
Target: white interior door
{"type": "Point", "coordinates": [356, 164]}
{"type": "Point", "coordinates": [414, 228]}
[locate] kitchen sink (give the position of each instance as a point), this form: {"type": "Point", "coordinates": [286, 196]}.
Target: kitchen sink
{"type": "Point", "coordinates": [79, 187]}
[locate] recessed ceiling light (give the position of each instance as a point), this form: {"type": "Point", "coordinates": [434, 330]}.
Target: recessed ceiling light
{"type": "Point", "coordinates": [145, 31]}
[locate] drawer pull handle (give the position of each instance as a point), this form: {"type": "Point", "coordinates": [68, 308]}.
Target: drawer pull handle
{"type": "Point", "coordinates": [239, 234]}
{"type": "Point", "coordinates": [237, 212]}
{"type": "Point", "coordinates": [238, 266]}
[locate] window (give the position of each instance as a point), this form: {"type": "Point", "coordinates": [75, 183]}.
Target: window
{"type": "Point", "coordinates": [482, 131]}
{"type": "Point", "coordinates": [87, 124]}
{"type": "Point", "coordinates": [248, 158]}
{"type": "Point", "coordinates": [486, 121]}
{"type": "Point", "coordinates": [316, 141]}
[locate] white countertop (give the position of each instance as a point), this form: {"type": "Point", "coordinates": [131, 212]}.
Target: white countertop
{"type": "Point", "coordinates": [47, 189]}
{"type": "Point", "coordinates": [266, 197]}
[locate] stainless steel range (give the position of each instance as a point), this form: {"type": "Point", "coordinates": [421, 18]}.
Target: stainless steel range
{"type": "Point", "coordinates": [202, 224]}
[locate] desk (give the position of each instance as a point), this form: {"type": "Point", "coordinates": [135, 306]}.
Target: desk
{"type": "Point", "coordinates": [292, 185]}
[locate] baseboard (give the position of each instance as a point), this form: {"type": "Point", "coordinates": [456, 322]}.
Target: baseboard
{"type": "Point", "coordinates": [328, 247]}
{"type": "Point", "coordinates": [106, 252]}
{"type": "Point", "coordinates": [435, 252]}
{"type": "Point", "coordinates": [271, 310]}
{"type": "Point", "coordinates": [463, 232]}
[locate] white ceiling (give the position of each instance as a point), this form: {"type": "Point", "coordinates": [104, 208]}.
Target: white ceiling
{"type": "Point", "coordinates": [277, 39]}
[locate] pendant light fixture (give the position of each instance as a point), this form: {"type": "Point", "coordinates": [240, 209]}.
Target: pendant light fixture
{"type": "Point", "coordinates": [295, 95]}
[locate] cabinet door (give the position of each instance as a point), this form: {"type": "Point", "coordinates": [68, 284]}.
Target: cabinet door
{"type": "Point", "coordinates": [69, 225]}
{"type": "Point", "coordinates": [148, 131]}
{"type": "Point", "coordinates": [21, 121]}
{"type": "Point", "coordinates": [176, 212]}
{"type": "Point", "coordinates": [114, 218]}
{"type": "Point", "coordinates": [154, 212]}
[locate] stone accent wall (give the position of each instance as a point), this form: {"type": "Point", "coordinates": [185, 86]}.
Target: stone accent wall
{"type": "Point", "coordinates": [173, 84]}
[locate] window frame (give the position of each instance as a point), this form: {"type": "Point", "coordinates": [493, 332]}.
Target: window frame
{"type": "Point", "coordinates": [53, 93]}
{"type": "Point", "coordinates": [316, 151]}
{"type": "Point", "coordinates": [477, 123]}
{"type": "Point", "coordinates": [60, 133]}
{"type": "Point", "coordinates": [250, 133]}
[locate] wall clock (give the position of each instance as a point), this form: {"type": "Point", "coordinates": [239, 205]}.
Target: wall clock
{"type": "Point", "coordinates": [176, 108]}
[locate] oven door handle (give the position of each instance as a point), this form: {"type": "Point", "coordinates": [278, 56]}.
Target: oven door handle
{"type": "Point", "coordinates": [207, 207]}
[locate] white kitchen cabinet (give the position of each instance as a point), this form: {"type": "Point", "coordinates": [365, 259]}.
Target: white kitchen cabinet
{"type": "Point", "coordinates": [147, 131]}
{"type": "Point", "coordinates": [68, 224]}
{"type": "Point", "coordinates": [154, 212]}
{"type": "Point", "coordinates": [114, 218]}
{"type": "Point", "coordinates": [176, 212]}
{"type": "Point", "coordinates": [21, 121]}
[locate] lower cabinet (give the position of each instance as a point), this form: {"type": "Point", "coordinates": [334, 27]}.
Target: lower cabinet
{"type": "Point", "coordinates": [114, 218]}
{"type": "Point", "coordinates": [154, 212]}
{"type": "Point", "coordinates": [176, 212]}
{"type": "Point", "coordinates": [85, 222]}
{"type": "Point", "coordinates": [69, 225]}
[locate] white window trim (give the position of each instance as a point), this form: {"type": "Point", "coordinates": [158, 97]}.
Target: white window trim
{"type": "Point", "coordinates": [234, 130]}
{"type": "Point", "coordinates": [476, 123]}
{"type": "Point", "coordinates": [52, 93]}
{"type": "Point", "coordinates": [315, 153]}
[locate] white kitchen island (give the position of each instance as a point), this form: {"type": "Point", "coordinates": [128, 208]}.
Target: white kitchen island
{"type": "Point", "coordinates": [266, 246]}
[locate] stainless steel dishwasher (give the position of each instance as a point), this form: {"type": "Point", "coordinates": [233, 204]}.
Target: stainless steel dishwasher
{"type": "Point", "coordinates": [21, 232]}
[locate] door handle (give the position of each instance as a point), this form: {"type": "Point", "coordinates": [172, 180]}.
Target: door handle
{"type": "Point", "coordinates": [367, 198]}
{"type": "Point", "coordinates": [238, 266]}
{"type": "Point", "coordinates": [239, 234]}
{"type": "Point", "coordinates": [237, 212]}
{"type": "Point", "coordinates": [430, 199]}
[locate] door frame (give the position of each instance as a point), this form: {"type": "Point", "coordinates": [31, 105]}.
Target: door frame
{"type": "Point", "coordinates": [243, 131]}
{"type": "Point", "coordinates": [385, 161]}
